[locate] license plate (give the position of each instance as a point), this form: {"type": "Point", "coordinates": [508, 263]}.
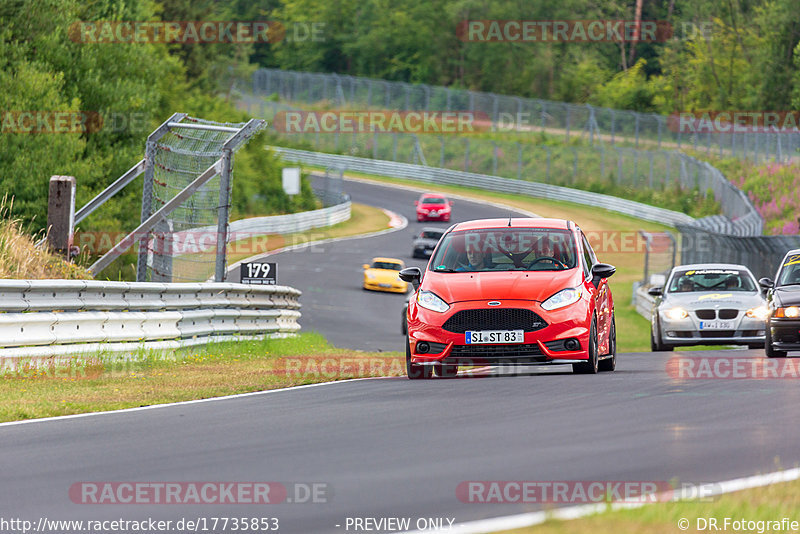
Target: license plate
{"type": "Point", "coordinates": [716, 325]}
{"type": "Point", "coordinates": [384, 285]}
{"type": "Point", "coordinates": [494, 336]}
{"type": "Point", "coordinates": [434, 213]}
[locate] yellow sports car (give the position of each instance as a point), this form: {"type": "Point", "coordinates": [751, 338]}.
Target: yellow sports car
{"type": "Point", "coordinates": [382, 275]}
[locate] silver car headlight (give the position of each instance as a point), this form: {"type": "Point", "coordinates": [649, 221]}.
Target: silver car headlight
{"type": "Point", "coordinates": [565, 297]}
{"type": "Point", "coordinates": [431, 301]}
{"type": "Point", "coordinates": [759, 312]}
{"type": "Point", "coordinates": [677, 313]}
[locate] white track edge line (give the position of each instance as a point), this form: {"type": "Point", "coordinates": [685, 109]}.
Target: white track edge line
{"type": "Point", "coordinates": [509, 522]}
{"type": "Point", "coordinates": [183, 403]}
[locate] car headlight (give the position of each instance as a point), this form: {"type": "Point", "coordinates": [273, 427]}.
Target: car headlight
{"type": "Point", "coordinates": [677, 313]}
{"type": "Point", "coordinates": [431, 301]}
{"type": "Point", "coordinates": [565, 297]}
{"type": "Point", "coordinates": [791, 312]}
{"type": "Point", "coordinates": [759, 312]}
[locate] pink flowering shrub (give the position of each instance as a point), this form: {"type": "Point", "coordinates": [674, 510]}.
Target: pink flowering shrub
{"type": "Point", "coordinates": [773, 188]}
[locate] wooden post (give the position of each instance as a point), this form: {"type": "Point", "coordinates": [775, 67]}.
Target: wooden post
{"type": "Point", "coordinates": [61, 213]}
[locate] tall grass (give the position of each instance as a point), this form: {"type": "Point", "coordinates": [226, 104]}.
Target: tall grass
{"type": "Point", "coordinates": [20, 258]}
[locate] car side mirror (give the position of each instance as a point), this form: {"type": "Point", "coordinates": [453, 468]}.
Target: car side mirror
{"type": "Point", "coordinates": [655, 291]}
{"type": "Point", "coordinates": [365, 266]}
{"type": "Point", "coordinates": [601, 271]}
{"type": "Point", "coordinates": [416, 202]}
{"type": "Point", "coordinates": [451, 202]}
{"type": "Point", "coordinates": [766, 283]}
{"type": "Point", "coordinates": [413, 275]}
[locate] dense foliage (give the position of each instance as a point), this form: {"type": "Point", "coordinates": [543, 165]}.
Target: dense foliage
{"type": "Point", "coordinates": [740, 55]}
{"type": "Point", "coordinates": [134, 87]}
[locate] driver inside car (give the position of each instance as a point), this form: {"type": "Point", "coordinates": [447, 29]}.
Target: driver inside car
{"type": "Point", "coordinates": [548, 252]}
{"type": "Point", "coordinates": [476, 259]}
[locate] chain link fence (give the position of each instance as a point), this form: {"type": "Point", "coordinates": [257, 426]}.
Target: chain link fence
{"type": "Point", "coordinates": [762, 254]}
{"type": "Point", "coordinates": [610, 169]}
{"type": "Point", "coordinates": [184, 243]}
{"type": "Point", "coordinates": [188, 241]}
{"type": "Point", "coordinates": [597, 125]}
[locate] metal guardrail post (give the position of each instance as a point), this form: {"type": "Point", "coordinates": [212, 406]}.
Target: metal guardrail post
{"type": "Point", "coordinates": [223, 210]}
{"type": "Point", "coordinates": [547, 166]}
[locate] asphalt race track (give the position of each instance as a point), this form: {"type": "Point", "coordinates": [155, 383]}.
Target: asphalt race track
{"type": "Point", "coordinates": [396, 448]}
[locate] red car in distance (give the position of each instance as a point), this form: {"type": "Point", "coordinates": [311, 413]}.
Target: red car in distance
{"type": "Point", "coordinates": [516, 291]}
{"type": "Point", "coordinates": [433, 207]}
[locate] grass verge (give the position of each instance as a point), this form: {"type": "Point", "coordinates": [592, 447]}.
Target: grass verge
{"type": "Point", "coordinates": [765, 504]}
{"type": "Point", "coordinates": [103, 381]}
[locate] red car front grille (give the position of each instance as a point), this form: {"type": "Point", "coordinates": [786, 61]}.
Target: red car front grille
{"type": "Point", "coordinates": [494, 319]}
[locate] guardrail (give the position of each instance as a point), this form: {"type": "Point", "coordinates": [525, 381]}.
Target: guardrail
{"type": "Point", "coordinates": [56, 317]}
{"type": "Point", "coordinates": [483, 181]}
{"type": "Point", "coordinates": [642, 301]}
{"type": "Point", "coordinates": [194, 241]}
{"type": "Point", "coordinates": [293, 222]}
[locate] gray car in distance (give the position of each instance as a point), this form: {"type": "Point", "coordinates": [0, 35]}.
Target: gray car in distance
{"type": "Point", "coordinates": [425, 241]}
{"type": "Point", "coordinates": [708, 304]}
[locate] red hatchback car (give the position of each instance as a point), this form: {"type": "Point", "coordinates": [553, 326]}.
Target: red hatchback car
{"type": "Point", "coordinates": [517, 291]}
{"type": "Point", "coordinates": [433, 207]}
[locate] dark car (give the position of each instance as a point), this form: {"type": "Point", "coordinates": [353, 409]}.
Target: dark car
{"type": "Point", "coordinates": [425, 242]}
{"type": "Point", "coordinates": [783, 300]}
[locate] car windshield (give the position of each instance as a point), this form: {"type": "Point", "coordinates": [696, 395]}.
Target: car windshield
{"type": "Point", "coordinates": [790, 271]}
{"type": "Point", "coordinates": [694, 280]}
{"type": "Point", "coordinates": [431, 235]}
{"type": "Point", "coordinates": [386, 265]}
{"type": "Point", "coordinates": [432, 200]}
{"type": "Point", "coordinates": [505, 249]}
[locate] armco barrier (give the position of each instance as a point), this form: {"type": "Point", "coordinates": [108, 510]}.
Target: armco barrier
{"type": "Point", "coordinates": [642, 301]}
{"type": "Point", "coordinates": [56, 317]}
{"type": "Point", "coordinates": [493, 183]}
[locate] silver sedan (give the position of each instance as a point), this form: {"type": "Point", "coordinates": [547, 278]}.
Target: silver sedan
{"type": "Point", "coordinates": [708, 304]}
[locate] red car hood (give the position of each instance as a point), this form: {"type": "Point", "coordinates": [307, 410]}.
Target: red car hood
{"type": "Point", "coordinates": [433, 206]}
{"type": "Point", "coordinates": [521, 285]}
